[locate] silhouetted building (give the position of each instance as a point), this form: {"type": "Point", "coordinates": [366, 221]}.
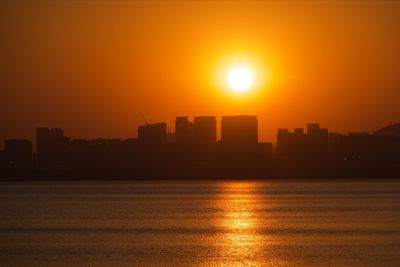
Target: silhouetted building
{"type": "Point", "coordinates": [106, 157]}
{"type": "Point", "coordinates": [264, 161]}
{"type": "Point", "coordinates": [153, 134]}
{"type": "Point", "coordinates": [291, 151]}
{"type": "Point", "coordinates": [298, 131]}
{"type": "Point", "coordinates": [205, 137]}
{"type": "Point", "coordinates": [171, 138]}
{"type": "Point", "coordinates": [313, 128]}
{"type": "Point", "coordinates": [239, 151]}
{"type": "Point", "coordinates": [52, 149]}
{"type": "Point", "coordinates": [239, 130]}
{"type": "Point", "coordinates": [337, 148]}
{"type": "Point", "coordinates": [289, 144]}
{"type": "Point", "coordinates": [363, 155]}
{"type": "Point", "coordinates": [195, 145]}
{"type": "Point", "coordinates": [17, 157]}
{"type": "Point", "coordinates": [205, 130]}
{"type": "Point", "coordinates": [193, 152]}
{"type": "Point", "coordinates": [184, 132]}
{"type": "Point", "coordinates": [300, 154]}
{"type": "Point", "coordinates": [317, 147]}
{"type": "Point", "coordinates": [153, 147]}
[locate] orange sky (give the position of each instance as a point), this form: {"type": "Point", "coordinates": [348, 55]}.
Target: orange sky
{"type": "Point", "coordinates": [92, 67]}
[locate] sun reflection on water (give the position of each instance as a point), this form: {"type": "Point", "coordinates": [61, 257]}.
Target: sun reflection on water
{"type": "Point", "coordinates": [241, 240]}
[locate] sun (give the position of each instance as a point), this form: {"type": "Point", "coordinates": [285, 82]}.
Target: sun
{"type": "Point", "coordinates": [240, 79]}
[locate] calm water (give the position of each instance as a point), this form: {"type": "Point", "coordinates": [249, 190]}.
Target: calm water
{"type": "Point", "coordinates": [315, 223]}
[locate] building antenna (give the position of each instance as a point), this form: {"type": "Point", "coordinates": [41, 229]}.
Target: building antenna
{"type": "Point", "coordinates": [144, 119]}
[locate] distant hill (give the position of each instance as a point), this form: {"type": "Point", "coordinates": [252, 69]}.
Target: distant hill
{"type": "Point", "coordinates": [390, 130]}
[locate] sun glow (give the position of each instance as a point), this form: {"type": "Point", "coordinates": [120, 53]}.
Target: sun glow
{"type": "Point", "coordinates": [240, 79]}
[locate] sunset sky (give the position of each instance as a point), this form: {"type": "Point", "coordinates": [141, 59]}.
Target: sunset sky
{"type": "Point", "coordinates": [92, 67]}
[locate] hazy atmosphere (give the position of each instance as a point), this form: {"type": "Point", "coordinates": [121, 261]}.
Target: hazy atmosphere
{"type": "Point", "coordinates": [93, 67]}
{"type": "Point", "coordinates": [199, 133]}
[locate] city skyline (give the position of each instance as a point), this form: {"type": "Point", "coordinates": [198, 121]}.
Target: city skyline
{"type": "Point", "coordinates": [170, 129]}
{"type": "Point", "coordinates": [94, 68]}
{"type": "Point", "coordinates": [193, 151]}
{"type": "Point", "coordinates": [199, 133]}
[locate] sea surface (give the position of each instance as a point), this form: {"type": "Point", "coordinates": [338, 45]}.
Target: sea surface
{"type": "Point", "coordinates": [202, 223]}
